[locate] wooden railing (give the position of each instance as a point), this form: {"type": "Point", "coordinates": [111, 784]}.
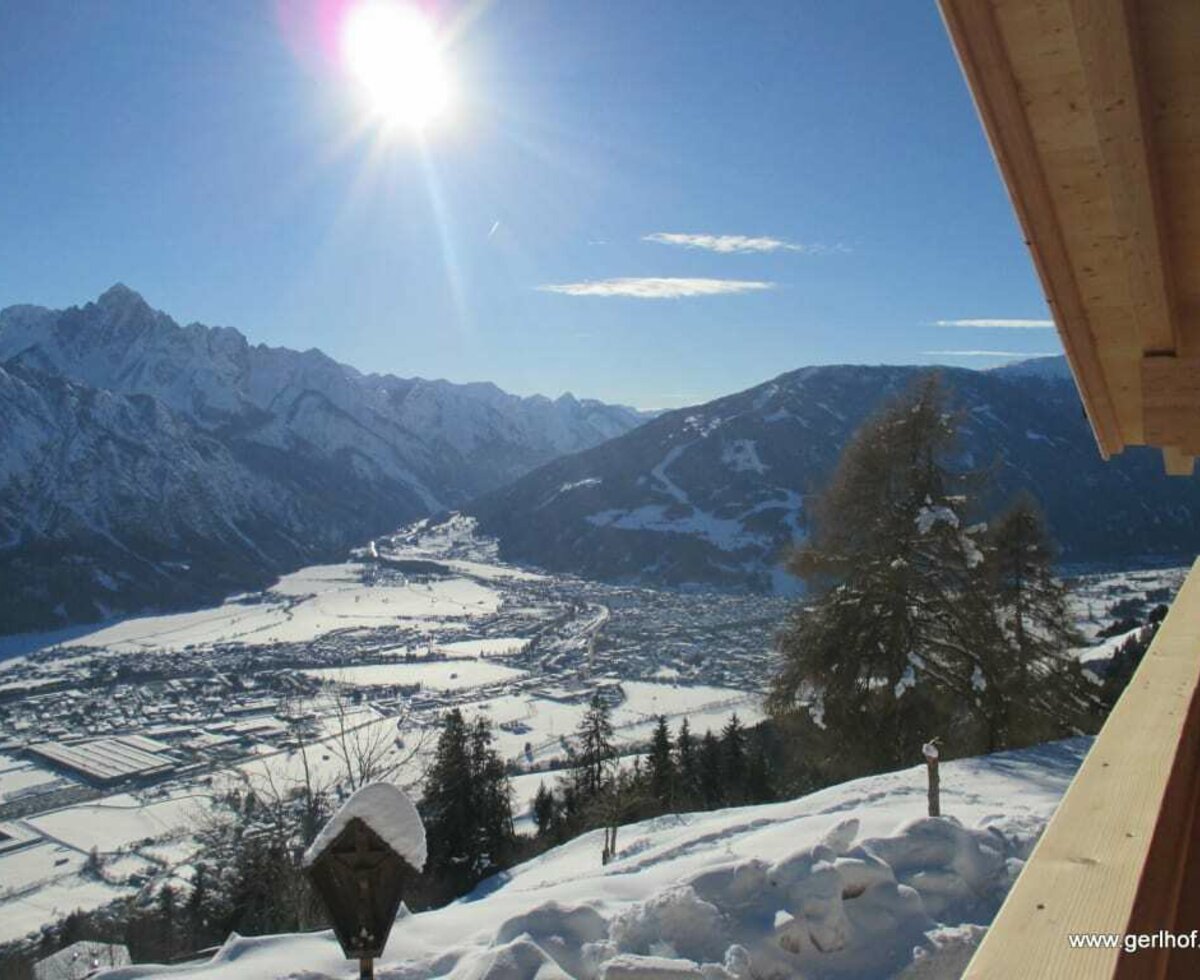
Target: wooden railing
{"type": "Point", "coordinates": [1122, 853]}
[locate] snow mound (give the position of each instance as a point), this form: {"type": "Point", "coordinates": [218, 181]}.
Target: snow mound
{"type": "Point", "coordinates": [949, 952]}
{"type": "Point", "coordinates": [388, 811]}
{"type": "Point", "coordinates": [671, 921]}
{"type": "Point", "coordinates": [632, 967]}
{"type": "Point", "coordinates": [562, 932]}
{"type": "Point", "coordinates": [521, 959]}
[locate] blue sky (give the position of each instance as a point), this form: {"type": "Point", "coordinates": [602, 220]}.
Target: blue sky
{"type": "Point", "coordinates": [212, 157]}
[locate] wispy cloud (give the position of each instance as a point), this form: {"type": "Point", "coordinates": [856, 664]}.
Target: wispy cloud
{"type": "Point", "coordinates": [648, 287]}
{"type": "Point", "coordinates": [988, 353]}
{"type": "Point", "coordinates": [990, 323]}
{"type": "Point", "coordinates": [731, 244]}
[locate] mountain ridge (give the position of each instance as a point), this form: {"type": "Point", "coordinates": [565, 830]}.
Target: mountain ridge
{"type": "Point", "coordinates": [714, 495]}
{"type": "Point", "coordinates": [150, 464]}
{"type": "Point", "coordinates": [258, 459]}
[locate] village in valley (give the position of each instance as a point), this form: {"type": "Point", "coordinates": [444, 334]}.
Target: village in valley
{"type": "Point", "coordinates": [114, 741]}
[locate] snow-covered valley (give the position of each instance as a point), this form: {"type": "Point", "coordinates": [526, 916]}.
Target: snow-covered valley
{"type": "Point", "coordinates": [117, 740]}
{"type": "Point", "coordinates": [372, 651]}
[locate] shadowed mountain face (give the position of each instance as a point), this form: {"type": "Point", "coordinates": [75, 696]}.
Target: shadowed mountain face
{"type": "Point", "coordinates": [713, 495]}
{"type": "Point", "coordinates": [145, 463]}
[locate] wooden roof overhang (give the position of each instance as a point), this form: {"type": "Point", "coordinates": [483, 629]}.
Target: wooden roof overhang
{"type": "Point", "coordinates": [1092, 108]}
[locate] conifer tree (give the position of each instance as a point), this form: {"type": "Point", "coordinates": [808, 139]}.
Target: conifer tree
{"type": "Point", "coordinates": [760, 777]}
{"type": "Point", "coordinates": [544, 811]}
{"type": "Point", "coordinates": [467, 807]}
{"type": "Point", "coordinates": [1129, 656]}
{"type": "Point", "coordinates": [1036, 690]}
{"type": "Point", "coordinates": [923, 624]}
{"type": "Point", "coordinates": [709, 771]}
{"type": "Point", "coordinates": [1032, 600]}
{"type": "Point", "coordinates": [168, 908]}
{"type": "Point", "coordinates": [686, 764]}
{"type": "Point", "coordinates": [662, 774]}
{"type": "Point", "coordinates": [733, 761]}
{"type": "Point", "coordinates": [595, 753]}
{"type": "Point", "coordinates": [888, 553]}
{"type": "Point", "coordinates": [448, 801]}
{"type": "Point", "coordinates": [491, 804]}
{"type": "Point", "coordinates": [196, 909]}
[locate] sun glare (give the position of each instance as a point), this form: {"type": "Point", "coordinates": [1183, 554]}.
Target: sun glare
{"type": "Point", "coordinates": [394, 53]}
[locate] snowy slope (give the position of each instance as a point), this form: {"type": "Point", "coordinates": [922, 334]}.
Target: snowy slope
{"type": "Point", "coordinates": [849, 882]}
{"type": "Point", "coordinates": [148, 463]}
{"type": "Point", "coordinates": [1048, 368]}
{"type": "Point", "coordinates": [714, 494]}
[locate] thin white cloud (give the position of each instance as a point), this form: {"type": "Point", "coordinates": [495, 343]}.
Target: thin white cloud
{"type": "Point", "coordinates": [731, 244]}
{"type": "Point", "coordinates": [495, 228]}
{"type": "Point", "coordinates": [650, 287]}
{"type": "Point", "coordinates": [997, 323]}
{"type": "Point", "coordinates": [987, 353]}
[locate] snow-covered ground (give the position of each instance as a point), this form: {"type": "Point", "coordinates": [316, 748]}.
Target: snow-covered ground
{"type": "Point", "coordinates": [136, 838]}
{"type": "Point", "coordinates": [19, 776]}
{"type": "Point", "coordinates": [306, 604]}
{"type": "Point", "coordinates": [118, 822]}
{"type": "Point", "coordinates": [497, 646]}
{"type": "Point", "coordinates": [853, 881]}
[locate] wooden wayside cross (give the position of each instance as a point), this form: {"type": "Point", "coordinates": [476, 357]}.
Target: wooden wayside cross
{"type": "Point", "coordinates": [359, 872]}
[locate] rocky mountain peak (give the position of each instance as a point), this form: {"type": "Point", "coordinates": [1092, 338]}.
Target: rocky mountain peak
{"type": "Point", "coordinates": [117, 295]}
{"type": "Point", "coordinates": [161, 462]}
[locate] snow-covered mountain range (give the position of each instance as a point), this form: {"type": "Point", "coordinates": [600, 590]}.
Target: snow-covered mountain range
{"type": "Point", "coordinates": [146, 462]}
{"type": "Point", "coordinates": [713, 495]}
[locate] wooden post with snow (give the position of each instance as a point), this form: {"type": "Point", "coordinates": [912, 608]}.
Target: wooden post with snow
{"type": "Point", "coordinates": [930, 751]}
{"type": "Point", "coordinates": [360, 864]}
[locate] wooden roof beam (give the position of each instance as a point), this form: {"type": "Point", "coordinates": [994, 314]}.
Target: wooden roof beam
{"type": "Point", "coordinates": [1110, 47]}
{"type": "Point", "coordinates": [1171, 405]}
{"type": "Point", "coordinates": [1177, 462]}
{"type": "Point", "coordinates": [981, 52]}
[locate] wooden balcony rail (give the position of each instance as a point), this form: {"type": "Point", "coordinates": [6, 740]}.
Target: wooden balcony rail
{"type": "Point", "coordinates": [1121, 854]}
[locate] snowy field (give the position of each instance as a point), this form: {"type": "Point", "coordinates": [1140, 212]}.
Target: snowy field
{"type": "Point", "coordinates": [307, 604]}
{"type": "Point", "coordinates": [447, 675]}
{"type": "Point", "coordinates": [47, 879]}
{"type": "Point", "coordinates": [850, 882]}
{"type": "Point", "coordinates": [497, 646]}
{"type": "Point", "coordinates": [119, 822]}
{"type": "Point", "coordinates": [41, 882]}
{"type": "Point", "coordinates": [544, 722]}
{"type": "Point", "coordinates": [19, 777]}
{"type": "Point", "coordinates": [528, 730]}
{"type": "Point", "coordinates": [55, 900]}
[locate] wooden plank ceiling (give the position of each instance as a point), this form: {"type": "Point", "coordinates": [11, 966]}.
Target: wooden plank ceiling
{"type": "Point", "coordinates": [1093, 112]}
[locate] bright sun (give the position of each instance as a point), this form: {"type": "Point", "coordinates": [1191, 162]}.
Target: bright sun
{"type": "Point", "coordinates": [392, 50]}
